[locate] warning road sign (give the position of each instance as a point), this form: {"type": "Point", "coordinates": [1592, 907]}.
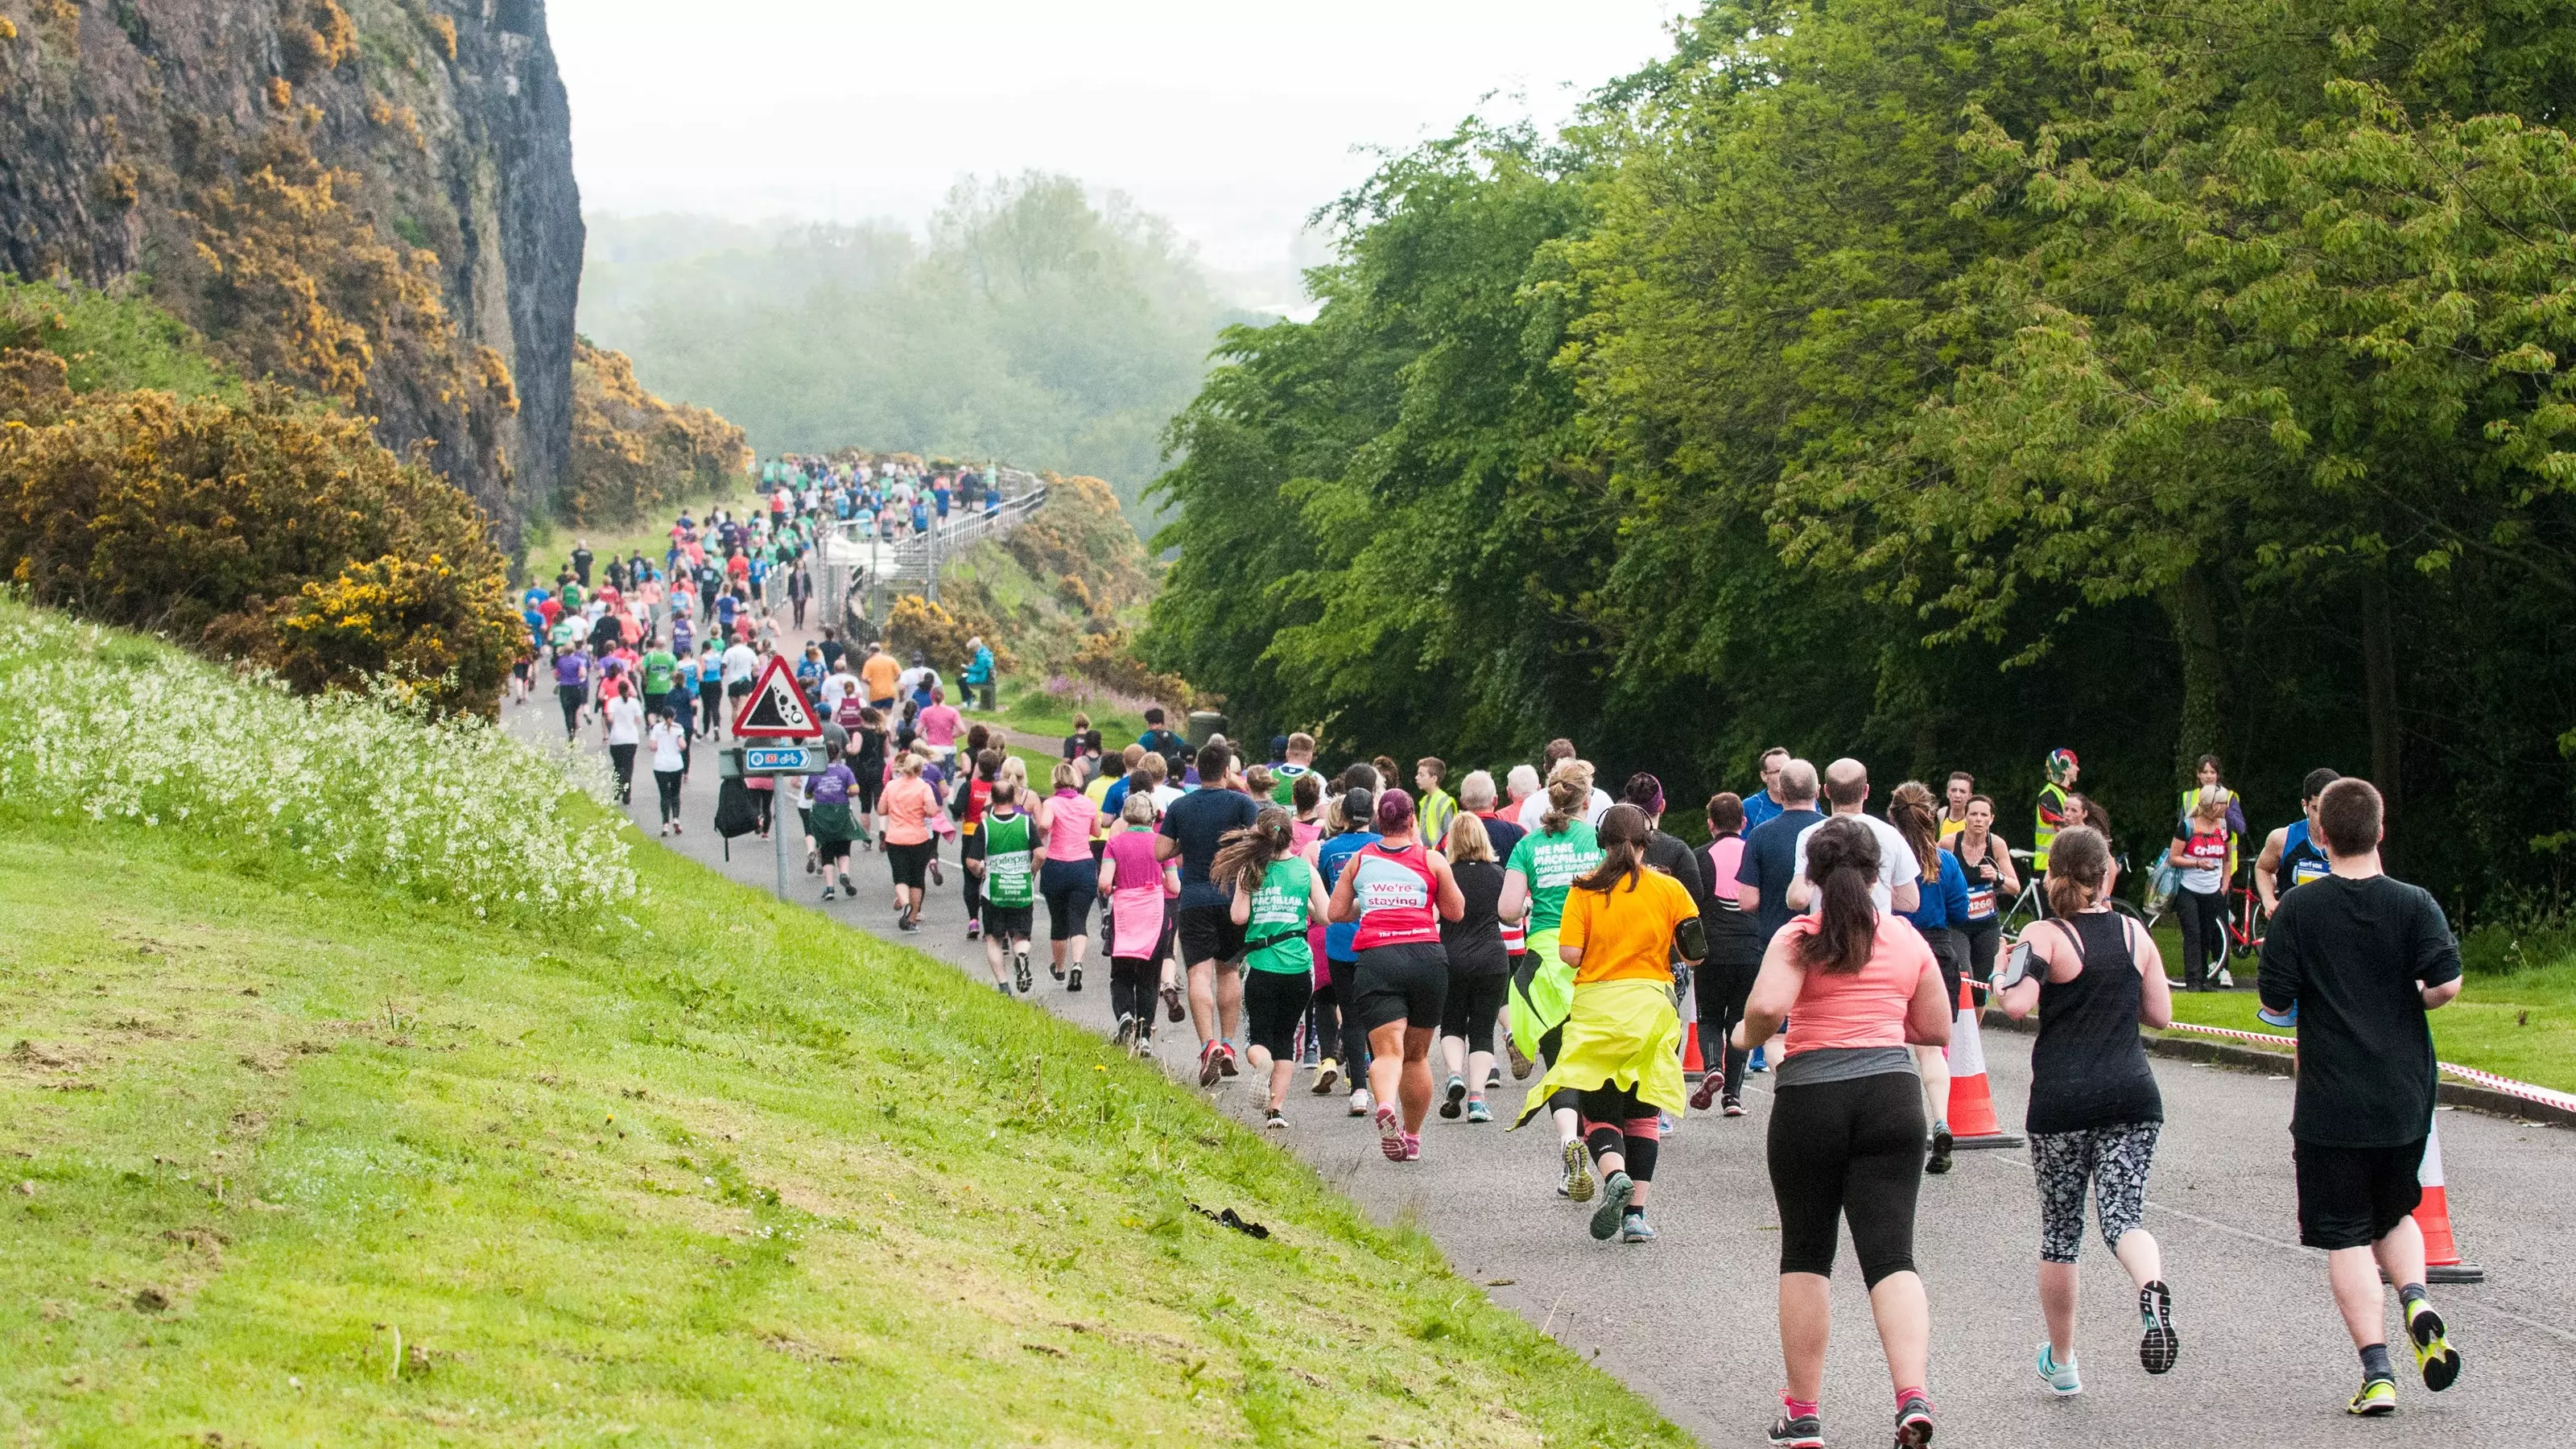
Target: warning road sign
{"type": "Point", "coordinates": [776, 709]}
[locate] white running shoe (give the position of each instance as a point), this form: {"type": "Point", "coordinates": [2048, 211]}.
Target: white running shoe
{"type": "Point", "coordinates": [2060, 1377]}
{"type": "Point", "coordinates": [1360, 1101]}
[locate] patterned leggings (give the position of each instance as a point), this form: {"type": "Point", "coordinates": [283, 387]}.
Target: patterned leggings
{"type": "Point", "coordinates": [2115, 1160]}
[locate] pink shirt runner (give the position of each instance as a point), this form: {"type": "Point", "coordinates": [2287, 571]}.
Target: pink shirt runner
{"type": "Point", "coordinates": [1069, 817]}
{"type": "Point", "coordinates": [1866, 1008]}
{"type": "Point", "coordinates": [1135, 895]}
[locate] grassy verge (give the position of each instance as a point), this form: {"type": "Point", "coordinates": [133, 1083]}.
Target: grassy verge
{"type": "Point", "coordinates": [1026, 706]}
{"type": "Point", "coordinates": [729, 1174]}
{"type": "Point", "coordinates": [2522, 1025]}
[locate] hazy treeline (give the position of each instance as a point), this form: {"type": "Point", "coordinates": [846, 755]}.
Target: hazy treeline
{"type": "Point", "coordinates": [1946, 384]}
{"type": "Point", "coordinates": [1035, 324]}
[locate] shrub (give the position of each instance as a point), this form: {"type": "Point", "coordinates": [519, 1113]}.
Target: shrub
{"type": "Point", "coordinates": [1109, 660]}
{"type": "Point", "coordinates": [633, 453]}
{"type": "Point", "coordinates": [346, 785]}
{"type": "Point", "coordinates": [1080, 534]}
{"type": "Point", "coordinates": [209, 520]}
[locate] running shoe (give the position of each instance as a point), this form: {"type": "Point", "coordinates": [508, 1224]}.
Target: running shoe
{"type": "Point", "coordinates": [1208, 1070]}
{"type": "Point", "coordinates": [1172, 1002]}
{"type": "Point", "coordinates": [2158, 1344]}
{"type": "Point", "coordinates": [1731, 1106]}
{"type": "Point", "coordinates": [1328, 1074]}
{"type": "Point", "coordinates": [847, 889]}
{"type": "Point", "coordinates": [1493, 1079]}
{"type": "Point", "coordinates": [1806, 1431]}
{"type": "Point", "coordinates": [1020, 973]}
{"type": "Point", "coordinates": [1390, 1134]}
{"type": "Point", "coordinates": [1578, 1172]}
{"type": "Point", "coordinates": [1055, 969]}
{"type": "Point", "coordinates": [1477, 1111]}
{"type": "Point", "coordinates": [2433, 1352]}
{"type": "Point", "coordinates": [1760, 1060]}
{"type": "Point", "coordinates": [1412, 1147]}
{"type": "Point", "coordinates": [2061, 1378]}
{"type": "Point", "coordinates": [1127, 1035]}
{"type": "Point", "coordinates": [1913, 1422]}
{"type": "Point", "coordinates": [1942, 1142]}
{"type": "Point", "coordinates": [1360, 1101]}
{"type": "Point", "coordinates": [827, 893]}
{"type": "Point", "coordinates": [1003, 987]}
{"type": "Point", "coordinates": [1225, 1054]}
{"type": "Point", "coordinates": [1521, 1063]}
{"type": "Point", "coordinates": [2378, 1398]}
{"type": "Point", "coordinates": [1455, 1099]}
{"type": "Point", "coordinates": [1274, 1121]}
{"type": "Point", "coordinates": [1706, 1093]}
{"type": "Point", "coordinates": [1616, 1189]}
{"type": "Point", "coordinates": [974, 930]}
{"type": "Point", "coordinates": [2223, 981]}
{"type": "Point", "coordinates": [908, 923]}
{"type": "Point", "coordinates": [1073, 978]}
{"type": "Point", "coordinates": [935, 877]}
{"type": "Point", "coordinates": [1633, 1227]}
{"type": "Point", "coordinates": [813, 860]}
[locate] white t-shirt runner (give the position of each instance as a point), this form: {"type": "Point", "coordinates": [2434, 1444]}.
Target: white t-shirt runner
{"type": "Point", "coordinates": [1896, 862]}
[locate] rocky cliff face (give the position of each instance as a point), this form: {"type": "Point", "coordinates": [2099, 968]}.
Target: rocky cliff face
{"type": "Point", "coordinates": [373, 199]}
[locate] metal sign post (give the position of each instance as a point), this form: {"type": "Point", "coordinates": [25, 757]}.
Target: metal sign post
{"type": "Point", "coordinates": [776, 721]}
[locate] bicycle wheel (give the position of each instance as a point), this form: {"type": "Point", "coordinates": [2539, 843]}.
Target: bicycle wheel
{"type": "Point", "coordinates": [2023, 912]}
{"type": "Point", "coordinates": [2132, 912]}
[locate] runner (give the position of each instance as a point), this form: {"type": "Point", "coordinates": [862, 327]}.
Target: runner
{"type": "Point", "coordinates": [1398, 892]}
{"type": "Point", "coordinates": [1734, 955]}
{"type": "Point", "coordinates": [881, 675]}
{"type": "Point", "coordinates": [2294, 854]}
{"type": "Point", "coordinates": [829, 820]}
{"type": "Point", "coordinates": [1135, 882]}
{"type": "Point", "coordinates": [1622, 926]}
{"type": "Point", "coordinates": [1545, 864]}
{"type": "Point", "coordinates": [1986, 860]}
{"type": "Point", "coordinates": [867, 755]}
{"type": "Point", "coordinates": [1069, 879]}
{"type": "Point", "coordinates": [2356, 959]}
{"type": "Point", "coordinates": [1298, 762]}
{"type": "Point", "coordinates": [1194, 828]}
{"type": "Point", "coordinates": [1480, 970]}
{"type": "Point", "coordinates": [909, 804]}
{"type": "Point", "coordinates": [972, 795]}
{"type": "Point", "coordinates": [670, 740]}
{"type": "Point", "coordinates": [1856, 986]}
{"type": "Point", "coordinates": [2095, 977]}
{"type": "Point", "coordinates": [710, 689]}
{"type": "Point", "coordinates": [1941, 890]}
{"type": "Point", "coordinates": [1337, 1016]}
{"type": "Point", "coordinates": [1767, 802]}
{"type": "Point", "coordinates": [1275, 894]}
{"type": "Point", "coordinates": [572, 685]}
{"type": "Point", "coordinates": [1955, 795]}
{"type": "Point", "coordinates": [2199, 853]}
{"type": "Point", "coordinates": [621, 720]}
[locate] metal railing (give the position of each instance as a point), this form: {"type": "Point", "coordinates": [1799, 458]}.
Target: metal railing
{"type": "Point", "coordinates": [852, 563]}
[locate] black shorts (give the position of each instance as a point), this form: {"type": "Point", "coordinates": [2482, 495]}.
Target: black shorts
{"type": "Point", "coordinates": [738, 688]}
{"type": "Point", "coordinates": [1472, 1005]}
{"type": "Point", "coordinates": [1208, 933]}
{"type": "Point", "coordinates": [1007, 923]}
{"type": "Point", "coordinates": [870, 788]}
{"type": "Point", "coordinates": [1407, 983]}
{"type": "Point", "coordinates": [1949, 952]}
{"type": "Point", "coordinates": [2351, 1197]}
{"type": "Point", "coordinates": [910, 862]}
{"type": "Point", "coordinates": [1272, 1003]}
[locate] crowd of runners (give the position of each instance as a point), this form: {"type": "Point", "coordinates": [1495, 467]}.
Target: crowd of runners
{"type": "Point", "coordinates": [1405, 938]}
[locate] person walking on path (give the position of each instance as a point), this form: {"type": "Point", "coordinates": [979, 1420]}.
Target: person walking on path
{"type": "Point", "coordinates": [1734, 955]}
{"type": "Point", "coordinates": [2095, 978]}
{"type": "Point", "coordinates": [1275, 893]}
{"type": "Point", "coordinates": [1194, 828]}
{"type": "Point", "coordinates": [833, 823]}
{"type": "Point", "coordinates": [1546, 863]}
{"type": "Point", "coordinates": [1623, 925]}
{"type": "Point", "coordinates": [1011, 850]}
{"type": "Point", "coordinates": [670, 741]}
{"type": "Point", "coordinates": [1480, 970]}
{"type": "Point", "coordinates": [2356, 960]}
{"type": "Point", "coordinates": [1941, 890]}
{"type": "Point", "coordinates": [1136, 882]}
{"type": "Point", "coordinates": [909, 802]}
{"type": "Point", "coordinates": [1856, 986]}
{"type": "Point", "coordinates": [1337, 1016]}
{"type": "Point", "coordinates": [1398, 891]}
{"type": "Point", "coordinates": [1070, 878]}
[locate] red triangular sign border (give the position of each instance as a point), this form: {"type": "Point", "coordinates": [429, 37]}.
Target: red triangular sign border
{"type": "Point", "coordinates": [776, 676]}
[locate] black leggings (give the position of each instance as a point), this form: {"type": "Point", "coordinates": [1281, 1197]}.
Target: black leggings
{"type": "Point", "coordinates": [667, 782]}
{"type": "Point", "coordinates": [1334, 1024]}
{"type": "Point", "coordinates": [1132, 984]}
{"type": "Point", "coordinates": [1068, 886]}
{"type": "Point", "coordinates": [571, 697]}
{"type": "Point", "coordinates": [1563, 1099]}
{"type": "Point", "coordinates": [710, 707]}
{"type": "Point", "coordinates": [1721, 988]}
{"type": "Point", "coordinates": [1470, 1009]}
{"type": "Point", "coordinates": [2204, 924]}
{"type": "Point", "coordinates": [621, 758]}
{"type": "Point", "coordinates": [1982, 938]}
{"type": "Point", "coordinates": [1614, 1120]}
{"type": "Point", "coordinates": [1850, 1150]}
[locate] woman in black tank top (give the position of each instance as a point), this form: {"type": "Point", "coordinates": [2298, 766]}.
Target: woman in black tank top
{"type": "Point", "coordinates": [2094, 1111]}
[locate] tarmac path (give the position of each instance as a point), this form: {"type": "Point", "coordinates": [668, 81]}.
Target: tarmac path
{"type": "Point", "coordinates": [1690, 1320]}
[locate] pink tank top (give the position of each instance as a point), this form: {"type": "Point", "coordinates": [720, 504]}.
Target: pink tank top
{"type": "Point", "coordinates": [1397, 896]}
{"type": "Point", "coordinates": [1866, 1008]}
{"type": "Point", "coordinates": [1069, 818]}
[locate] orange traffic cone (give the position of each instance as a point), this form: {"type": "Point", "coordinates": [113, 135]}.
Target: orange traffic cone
{"type": "Point", "coordinates": [1692, 1064]}
{"type": "Point", "coordinates": [2433, 1214]}
{"type": "Point", "coordinates": [1972, 1102]}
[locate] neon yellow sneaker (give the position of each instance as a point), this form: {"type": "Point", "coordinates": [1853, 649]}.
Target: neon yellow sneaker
{"type": "Point", "coordinates": [2434, 1356]}
{"type": "Point", "coordinates": [2378, 1397]}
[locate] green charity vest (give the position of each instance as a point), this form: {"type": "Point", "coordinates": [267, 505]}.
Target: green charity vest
{"type": "Point", "coordinates": [1007, 879]}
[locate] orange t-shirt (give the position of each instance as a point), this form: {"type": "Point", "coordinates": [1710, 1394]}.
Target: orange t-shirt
{"type": "Point", "coordinates": [908, 805]}
{"type": "Point", "coordinates": [1866, 1008]}
{"type": "Point", "coordinates": [880, 674]}
{"type": "Point", "coordinates": [1626, 935]}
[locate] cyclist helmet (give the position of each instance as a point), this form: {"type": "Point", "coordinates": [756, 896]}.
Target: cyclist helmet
{"type": "Point", "coordinates": [2059, 762]}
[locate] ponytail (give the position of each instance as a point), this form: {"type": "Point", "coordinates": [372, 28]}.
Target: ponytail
{"type": "Point", "coordinates": [1842, 861]}
{"type": "Point", "coordinates": [2078, 861]}
{"type": "Point", "coordinates": [1623, 850]}
{"type": "Point", "coordinates": [1244, 855]}
{"type": "Point", "coordinates": [1911, 811]}
{"type": "Point", "coordinates": [1569, 790]}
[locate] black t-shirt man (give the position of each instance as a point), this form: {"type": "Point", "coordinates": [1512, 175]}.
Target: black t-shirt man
{"type": "Point", "coordinates": [581, 561]}
{"type": "Point", "coordinates": [2355, 956]}
{"type": "Point", "coordinates": [1771, 863]}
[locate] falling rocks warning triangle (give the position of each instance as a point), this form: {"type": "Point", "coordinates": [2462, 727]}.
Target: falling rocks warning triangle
{"type": "Point", "coordinates": [775, 709]}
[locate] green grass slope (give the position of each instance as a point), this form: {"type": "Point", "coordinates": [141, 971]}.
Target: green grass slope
{"type": "Point", "coordinates": [728, 1174]}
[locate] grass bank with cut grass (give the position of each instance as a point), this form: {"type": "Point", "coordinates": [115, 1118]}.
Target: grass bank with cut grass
{"type": "Point", "coordinates": [729, 1174]}
{"type": "Point", "coordinates": [2521, 1025]}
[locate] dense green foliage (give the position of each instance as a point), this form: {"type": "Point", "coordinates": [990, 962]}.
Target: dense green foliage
{"type": "Point", "coordinates": [1945, 384]}
{"type": "Point", "coordinates": [1035, 326]}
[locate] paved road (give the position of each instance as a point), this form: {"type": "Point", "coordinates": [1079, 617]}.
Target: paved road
{"type": "Point", "coordinates": [1690, 1320]}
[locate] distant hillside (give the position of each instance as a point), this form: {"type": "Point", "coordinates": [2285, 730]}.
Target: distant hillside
{"type": "Point", "coordinates": [1036, 325]}
{"type": "Point", "coordinates": [370, 199]}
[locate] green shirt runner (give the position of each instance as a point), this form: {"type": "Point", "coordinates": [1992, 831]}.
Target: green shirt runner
{"type": "Point", "coordinates": [1551, 864]}
{"type": "Point", "coordinates": [659, 667]}
{"type": "Point", "coordinates": [1007, 881]}
{"type": "Point", "coordinates": [1279, 910]}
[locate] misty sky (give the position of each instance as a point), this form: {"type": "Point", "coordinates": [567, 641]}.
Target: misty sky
{"type": "Point", "coordinates": [1233, 120]}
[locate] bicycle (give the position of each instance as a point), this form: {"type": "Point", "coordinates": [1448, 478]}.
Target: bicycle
{"type": "Point", "coordinates": [2242, 929]}
{"type": "Point", "coordinates": [2030, 906]}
